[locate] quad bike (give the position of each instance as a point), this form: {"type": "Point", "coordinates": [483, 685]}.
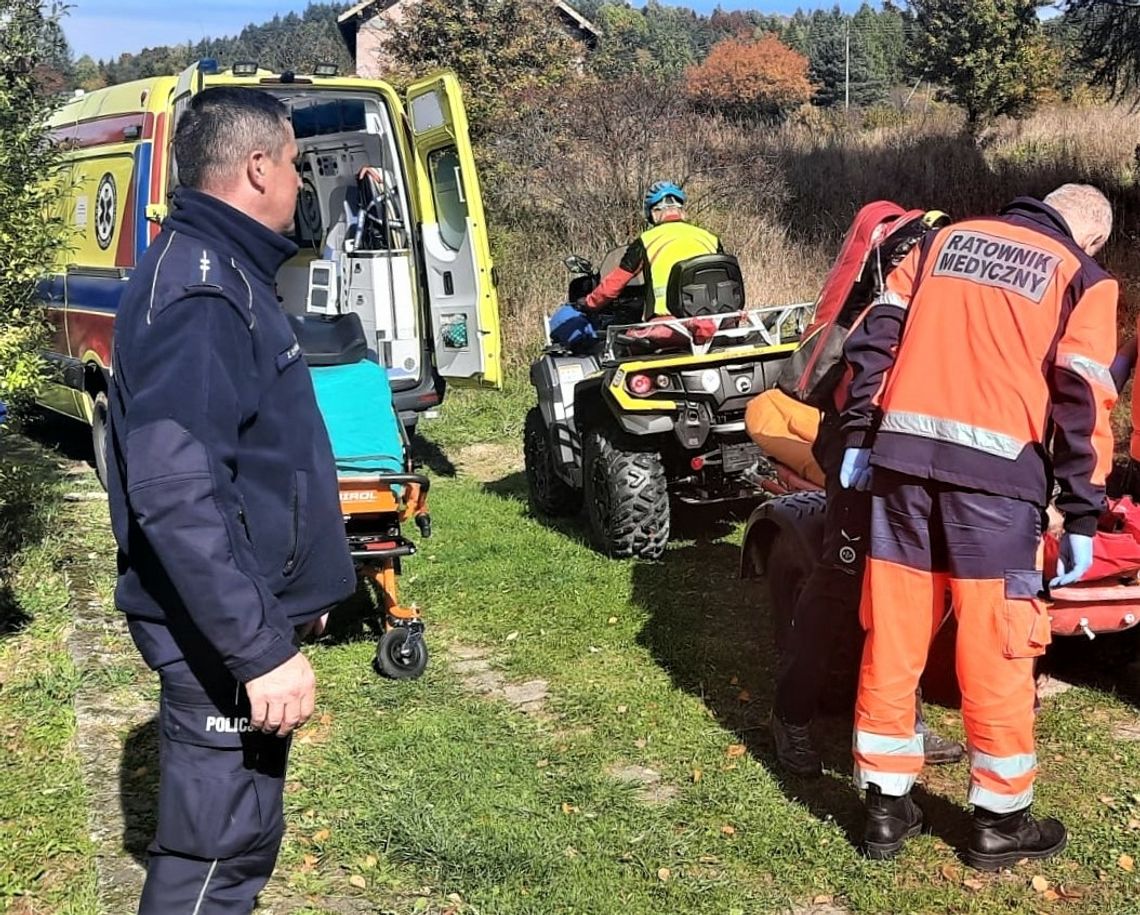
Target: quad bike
{"type": "Point", "coordinates": [638, 409]}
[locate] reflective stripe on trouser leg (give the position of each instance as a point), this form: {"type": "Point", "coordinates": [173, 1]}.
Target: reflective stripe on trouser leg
{"type": "Point", "coordinates": [998, 690]}
{"type": "Point", "coordinates": [900, 610]}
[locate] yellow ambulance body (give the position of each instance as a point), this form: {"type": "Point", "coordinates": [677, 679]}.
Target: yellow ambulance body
{"type": "Point", "coordinates": [389, 223]}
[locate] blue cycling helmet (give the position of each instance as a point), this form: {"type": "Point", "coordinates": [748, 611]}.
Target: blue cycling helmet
{"type": "Point", "coordinates": [657, 192]}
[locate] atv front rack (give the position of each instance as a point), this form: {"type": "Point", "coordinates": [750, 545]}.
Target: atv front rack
{"type": "Point", "coordinates": [776, 325]}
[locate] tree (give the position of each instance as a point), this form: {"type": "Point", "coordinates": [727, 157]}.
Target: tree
{"type": "Point", "coordinates": [490, 44]}
{"type": "Point", "coordinates": [841, 63]}
{"type": "Point", "coordinates": [88, 75]}
{"type": "Point", "coordinates": [1107, 43]}
{"type": "Point", "coordinates": [990, 56]}
{"type": "Point", "coordinates": [763, 78]}
{"type": "Point", "coordinates": [30, 233]}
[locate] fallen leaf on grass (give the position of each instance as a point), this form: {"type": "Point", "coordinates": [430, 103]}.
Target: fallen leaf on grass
{"type": "Point", "coordinates": [1134, 824]}
{"type": "Point", "coordinates": [734, 681]}
{"type": "Point", "coordinates": [821, 899]}
{"type": "Point", "coordinates": [568, 808]}
{"type": "Point", "coordinates": [511, 636]}
{"type": "Point", "coordinates": [734, 750]}
{"type": "Point", "coordinates": [320, 835]}
{"type": "Point", "coordinates": [1107, 801]}
{"type": "Point", "coordinates": [1039, 884]}
{"type": "Point", "coordinates": [640, 743]}
{"type": "Point", "coordinates": [696, 776]}
{"type": "Point", "coordinates": [1067, 893]}
{"type": "Point", "coordinates": [455, 897]}
{"type": "Point", "coordinates": [370, 861]}
{"type": "Point", "coordinates": [1125, 863]}
{"type": "Point", "coordinates": [542, 763]}
{"type": "Point", "coordinates": [972, 884]}
{"type": "Point", "coordinates": [357, 881]}
{"type": "Point", "coordinates": [728, 830]}
{"type": "Point", "coordinates": [663, 874]}
{"type": "Point", "coordinates": [951, 873]}
{"type": "Point", "coordinates": [1051, 895]}
{"type": "Point", "coordinates": [744, 696]}
{"type": "Point", "coordinates": [326, 719]}
{"type": "Point", "coordinates": [612, 620]}
{"type": "Point", "coordinates": [622, 709]}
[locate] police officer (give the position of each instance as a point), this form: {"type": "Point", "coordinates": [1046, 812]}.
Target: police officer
{"type": "Point", "coordinates": [669, 240]}
{"type": "Point", "coordinates": [223, 502]}
{"type": "Point", "coordinates": [979, 376]}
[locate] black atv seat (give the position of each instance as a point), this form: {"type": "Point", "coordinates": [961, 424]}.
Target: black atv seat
{"type": "Point", "coordinates": [709, 284]}
{"type": "Point", "coordinates": [330, 339]}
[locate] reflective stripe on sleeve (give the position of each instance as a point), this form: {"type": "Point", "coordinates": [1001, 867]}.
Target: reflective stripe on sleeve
{"type": "Point", "coordinates": [1087, 368]}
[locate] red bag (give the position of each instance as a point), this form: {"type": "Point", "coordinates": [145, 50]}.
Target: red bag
{"type": "Point", "coordinates": [1116, 546]}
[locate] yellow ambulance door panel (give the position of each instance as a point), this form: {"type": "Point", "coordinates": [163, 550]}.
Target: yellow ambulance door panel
{"type": "Point", "coordinates": [463, 303]}
{"type": "Point", "coordinates": [190, 83]}
{"type": "Point", "coordinates": [99, 208]}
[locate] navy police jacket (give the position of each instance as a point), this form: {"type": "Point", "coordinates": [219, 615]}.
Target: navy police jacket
{"type": "Point", "coordinates": [221, 478]}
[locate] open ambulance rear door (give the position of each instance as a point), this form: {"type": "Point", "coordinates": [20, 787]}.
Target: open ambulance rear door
{"type": "Point", "coordinates": [463, 304]}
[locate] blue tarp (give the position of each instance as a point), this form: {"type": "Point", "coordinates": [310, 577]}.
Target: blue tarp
{"type": "Point", "coordinates": [356, 403]}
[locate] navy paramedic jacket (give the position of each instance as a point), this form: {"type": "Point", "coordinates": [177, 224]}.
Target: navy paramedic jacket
{"type": "Point", "coordinates": [221, 479]}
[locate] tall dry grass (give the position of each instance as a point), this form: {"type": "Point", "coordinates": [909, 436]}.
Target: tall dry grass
{"type": "Point", "coordinates": [565, 173]}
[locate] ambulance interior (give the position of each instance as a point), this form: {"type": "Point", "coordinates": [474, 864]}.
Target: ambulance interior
{"type": "Point", "coordinates": [353, 226]}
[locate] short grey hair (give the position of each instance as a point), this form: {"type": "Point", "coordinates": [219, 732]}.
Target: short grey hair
{"type": "Point", "coordinates": [222, 128]}
{"type": "Point", "coordinates": [1083, 207]}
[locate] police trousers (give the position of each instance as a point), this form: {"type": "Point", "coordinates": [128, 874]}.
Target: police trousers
{"type": "Point", "coordinates": [927, 537]}
{"type": "Point", "coordinates": [220, 818]}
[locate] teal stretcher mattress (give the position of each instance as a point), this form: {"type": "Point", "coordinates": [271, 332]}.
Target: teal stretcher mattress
{"type": "Point", "coordinates": [356, 403]}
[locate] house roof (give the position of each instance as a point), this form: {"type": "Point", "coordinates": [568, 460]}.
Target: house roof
{"type": "Point", "coordinates": [351, 19]}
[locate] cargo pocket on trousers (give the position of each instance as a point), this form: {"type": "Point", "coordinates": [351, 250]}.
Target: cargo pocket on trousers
{"type": "Point", "coordinates": [208, 799]}
{"type": "Point", "coordinates": [1025, 624]}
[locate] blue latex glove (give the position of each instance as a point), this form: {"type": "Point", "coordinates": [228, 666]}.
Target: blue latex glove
{"type": "Point", "coordinates": [1075, 559]}
{"type": "Point", "coordinates": [855, 472]}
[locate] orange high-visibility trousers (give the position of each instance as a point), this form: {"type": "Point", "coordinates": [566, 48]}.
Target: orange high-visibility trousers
{"type": "Point", "coordinates": [928, 538]}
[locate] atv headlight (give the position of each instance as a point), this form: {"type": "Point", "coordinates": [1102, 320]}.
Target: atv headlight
{"type": "Point", "coordinates": [710, 381]}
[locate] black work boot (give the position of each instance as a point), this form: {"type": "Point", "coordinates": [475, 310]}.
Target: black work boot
{"type": "Point", "coordinates": [940, 751]}
{"type": "Point", "coordinates": [1002, 839]}
{"type": "Point", "coordinates": [794, 750]}
{"type": "Point", "coordinates": [890, 821]}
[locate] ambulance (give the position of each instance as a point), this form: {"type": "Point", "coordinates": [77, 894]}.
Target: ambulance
{"type": "Point", "coordinates": [389, 224]}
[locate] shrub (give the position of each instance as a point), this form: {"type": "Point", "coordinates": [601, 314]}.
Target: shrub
{"type": "Point", "coordinates": [761, 78]}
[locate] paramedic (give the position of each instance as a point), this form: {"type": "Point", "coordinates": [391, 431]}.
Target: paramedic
{"type": "Point", "coordinates": [980, 375]}
{"type": "Point", "coordinates": [223, 502]}
{"type": "Point", "coordinates": [668, 241]}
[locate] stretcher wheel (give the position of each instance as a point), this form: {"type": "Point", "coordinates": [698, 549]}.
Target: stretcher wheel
{"type": "Point", "coordinates": [401, 654]}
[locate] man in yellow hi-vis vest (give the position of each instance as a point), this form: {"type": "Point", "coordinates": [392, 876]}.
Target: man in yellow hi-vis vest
{"type": "Point", "coordinates": [668, 241]}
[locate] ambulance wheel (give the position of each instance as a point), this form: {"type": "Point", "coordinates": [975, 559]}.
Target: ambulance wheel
{"type": "Point", "coordinates": [627, 498]}
{"type": "Point", "coordinates": [549, 493]}
{"type": "Point", "coordinates": [399, 656]}
{"type": "Point", "coordinates": [99, 413]}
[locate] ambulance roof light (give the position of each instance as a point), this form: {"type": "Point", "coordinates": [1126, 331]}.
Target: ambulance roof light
{"type": "Point", "coordinates": [245, 67]}
{"type": "Point", "coordinates": [325, 68]}
{"type": "Point", "coordinates": [207, 65]}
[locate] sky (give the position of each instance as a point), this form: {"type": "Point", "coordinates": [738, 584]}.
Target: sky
{"type": "Point", "coordinates": [106, 28]}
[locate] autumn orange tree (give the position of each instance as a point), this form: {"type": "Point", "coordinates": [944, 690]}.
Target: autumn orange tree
{"type": "Point", "coordinates": [743, 77]}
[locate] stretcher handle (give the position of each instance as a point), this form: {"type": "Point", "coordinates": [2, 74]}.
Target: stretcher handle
{"type": "Point", "coordinates": [418, 478]}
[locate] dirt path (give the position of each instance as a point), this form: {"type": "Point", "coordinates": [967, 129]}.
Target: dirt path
{"type": "Point", "coordinates": [115, 707]}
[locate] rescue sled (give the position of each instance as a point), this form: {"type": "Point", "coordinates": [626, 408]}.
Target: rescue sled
{"type": "Point", "coordinates": [379, 490]}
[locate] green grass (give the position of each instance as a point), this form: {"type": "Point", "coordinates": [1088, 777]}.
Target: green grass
{"type": "Point", "coordinates": [45, 856]}
{"type": "Point", "coordinates": [428, 797]}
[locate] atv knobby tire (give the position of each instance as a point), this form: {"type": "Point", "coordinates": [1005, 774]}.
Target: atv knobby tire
{"type": "Point", "coordinates": [549, 493]}
{"type": "Point", "coordinates": [627, 498]}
